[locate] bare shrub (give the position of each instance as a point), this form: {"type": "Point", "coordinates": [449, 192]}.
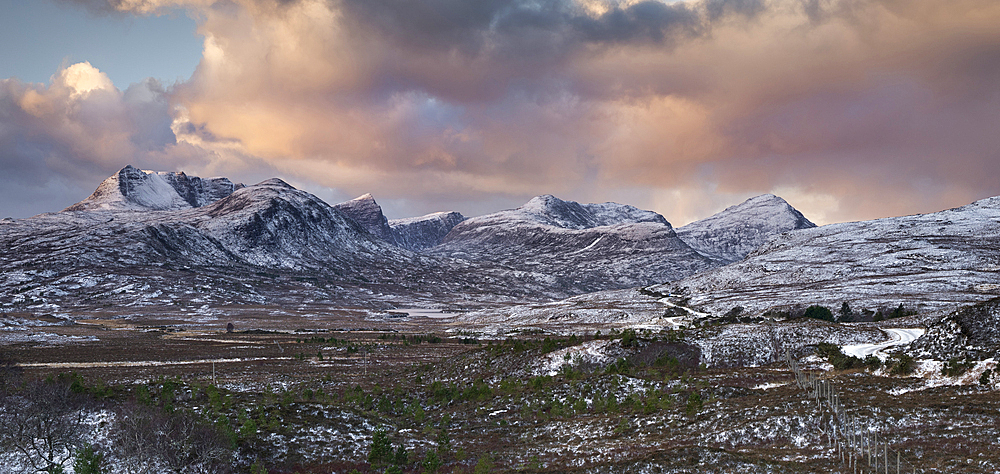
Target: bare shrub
{"type": "Point", "coordinates": [148, 440]}
{"type": "Point", "coordinates": [42, 424]}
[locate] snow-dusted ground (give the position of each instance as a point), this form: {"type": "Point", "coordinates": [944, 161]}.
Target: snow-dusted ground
{"type": "Point", "coordinates": [584, 314]}
{"type": "Point", "coordinates": [757, 344]}
{"type": "Point", "coordinates": [597, 352]}
{"type": "Point", "coordinates": [897, 337]}
{"type": "Point", "coordinates": [928, 371]}
{"type": "Point", "coordinates": [144, 363]}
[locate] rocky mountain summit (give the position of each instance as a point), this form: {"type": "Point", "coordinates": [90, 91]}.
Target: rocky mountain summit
{"type": "Point", "coordinates": [414, 233]}
{"type": "Point", "coordinates": [135, 189]}
{"type": "Point", "coordinates": [366, 212]}
{"type": "Point", "coordinates": [731, 235]}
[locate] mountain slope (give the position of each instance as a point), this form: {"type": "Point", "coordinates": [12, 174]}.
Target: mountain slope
{"type": "Point", "coordinates": [929, 261]}
{"type": "Point", "coordinates": [730, 235]}
{"type": "Point", "coordinates": [599, 246]}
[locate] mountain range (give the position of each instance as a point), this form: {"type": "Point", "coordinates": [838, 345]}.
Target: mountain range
{"type": "Point", "coordinates": [147, 238]}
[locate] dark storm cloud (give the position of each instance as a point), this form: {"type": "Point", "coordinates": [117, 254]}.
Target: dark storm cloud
{"type": "Point", "coordinates": [474, 27]}
{"type": "Point", "coordinates": [645, 22]}
{"type": "Point", "coordinates": [471, 52]}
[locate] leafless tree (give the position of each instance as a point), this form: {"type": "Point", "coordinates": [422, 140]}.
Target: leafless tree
{"type": "Point", "coordinates": [42, 424]}
{"type": "Point", "coordinates": [147, 439]}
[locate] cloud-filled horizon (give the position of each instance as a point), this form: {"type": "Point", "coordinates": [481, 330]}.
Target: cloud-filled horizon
{"type": "Point", "coordinates": [848, 109]}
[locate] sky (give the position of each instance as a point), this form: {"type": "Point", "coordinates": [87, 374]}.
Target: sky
{"type": "Point", "coordinates": [848, 109]}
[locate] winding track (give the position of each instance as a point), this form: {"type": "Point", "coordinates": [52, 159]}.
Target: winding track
{"type": "Point", "coordinates": [897, 337]}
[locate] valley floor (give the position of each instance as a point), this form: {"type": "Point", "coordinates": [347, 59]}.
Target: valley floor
{"type": "Point", "coordinates": [345, 392]}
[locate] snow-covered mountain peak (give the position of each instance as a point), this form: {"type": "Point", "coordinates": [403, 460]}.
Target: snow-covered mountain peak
{"type": "Point", "coordinates": [551, 211]}
{"type": "Point", "coordinates": [601, 246]}
{"type": "Point", "coordinates": [766, 207]}
{"type": "Point", "coordinates": [134, 189]}
{"type": "Point", "coordinates": [733, 233]}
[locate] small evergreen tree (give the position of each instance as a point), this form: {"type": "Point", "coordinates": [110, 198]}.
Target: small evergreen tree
{"type": "Point", "coordinates": [401, 458]}
{"type": "Point", "coordinates": [89, 461]}
{"type": "Point", "coordinates": [431, 462]}
{"type": "Point", "coordinates": [443, 444]}
{"type": "Point", "coordinates": [380, 452]}
{"type": "Point", "coordinates": [694, 404]}
{"type": "Point", "coordinates": [902, 364]}
{"type": "Point", "coordinates": [483, 466]}
{"type": "Point", "coordinates": [985, 378]}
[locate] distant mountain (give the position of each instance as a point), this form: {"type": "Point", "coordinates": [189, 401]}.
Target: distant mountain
{"type": "Point", "coordinates": [419, 233]}
{"type": "Point", "coordinates": [599, 246]}
{"type": "Point", "coordinates": [135, 189]}
{"type": "Point", "coordinates": [927, 261]}
{"type": "Point", "coordinates": [365, 211]}
{"type": "Point", "coordinates": [730, 235]}
{"type": "Point", "coordinates": [414, 233]}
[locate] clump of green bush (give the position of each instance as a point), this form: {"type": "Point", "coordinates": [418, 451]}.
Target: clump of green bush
{"type": "Point", "coordinates": [837, 358]}
{"type": "Point", "coordinates": [901, 364]}
{"type": "Point", "coordinates": [819, 312]}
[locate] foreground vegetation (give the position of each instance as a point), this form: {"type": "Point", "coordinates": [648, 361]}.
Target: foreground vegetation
{"type": "Point", "coordinates": [384, 402]}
